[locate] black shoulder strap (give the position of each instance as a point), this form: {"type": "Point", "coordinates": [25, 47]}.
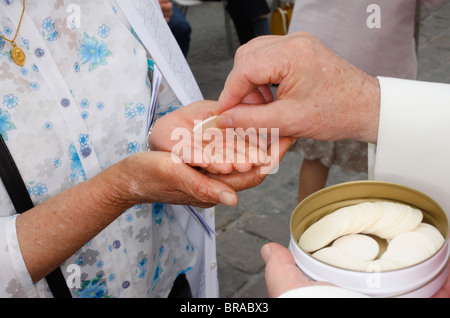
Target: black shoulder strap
{"type": "Point", "coordinates": [21, 200]}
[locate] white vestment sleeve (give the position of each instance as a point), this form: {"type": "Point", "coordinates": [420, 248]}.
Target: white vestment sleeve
{"type": "Point", "coordinates": [413, 147]}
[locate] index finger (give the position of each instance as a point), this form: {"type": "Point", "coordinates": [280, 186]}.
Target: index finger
{"type": "Point", "coordinates": [256, 66]}
{"type": "Point", "coordinates": [236, 88]}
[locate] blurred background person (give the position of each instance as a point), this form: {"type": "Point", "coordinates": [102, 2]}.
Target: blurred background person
{"type": "Point", "coordinates": [250, 18]}
{"type": "Point", "coordinates": [178, 24]}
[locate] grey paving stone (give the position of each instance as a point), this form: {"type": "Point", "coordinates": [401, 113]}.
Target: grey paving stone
{"type": "Point", "coordinates": [231, 280]}
{"type": "Point", "coordinates": [241, 250]}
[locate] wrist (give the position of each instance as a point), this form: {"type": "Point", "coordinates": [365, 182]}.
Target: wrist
{"type": "Point", "coordinates": [369, 105]}
{"type": "Point", "coordinates": [151, 145]}
{"type": "Point", "coordinates": [121, 185]}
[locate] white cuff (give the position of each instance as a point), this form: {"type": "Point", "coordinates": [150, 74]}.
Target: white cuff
{"type": "Point", "coordinates": [15, 281]}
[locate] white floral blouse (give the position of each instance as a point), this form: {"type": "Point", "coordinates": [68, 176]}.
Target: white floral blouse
{"type": "Point", "coordinates": [78, 105]}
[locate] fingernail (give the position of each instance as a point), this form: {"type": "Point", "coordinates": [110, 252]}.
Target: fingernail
{"type": "Point", "coordinates": [224, 121]}
{"type": "Point", "coordinates": [265, 252]}
{"type": "Point", "coordinates": [228, 198]}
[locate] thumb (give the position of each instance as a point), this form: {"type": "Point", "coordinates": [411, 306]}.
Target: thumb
{"type": "Point", "coordinates": [282, 273]}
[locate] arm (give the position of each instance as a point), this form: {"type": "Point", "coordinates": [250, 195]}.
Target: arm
{"type": "Point", "coordinates": [51, 232]}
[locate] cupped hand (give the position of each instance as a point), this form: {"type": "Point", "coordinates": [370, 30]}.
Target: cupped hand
{"type": "Point", "coordinates": [255, 176]}
{"type": "Point", "coordinates": [215, 150]}
{"type": "Point", "coordinates": [319, 95]}
{"type": "Point", "coordinates": [154, 176]}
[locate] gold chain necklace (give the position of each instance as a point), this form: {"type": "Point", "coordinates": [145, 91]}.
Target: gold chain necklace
{"type": "Point", "coordinates": [17, 55]}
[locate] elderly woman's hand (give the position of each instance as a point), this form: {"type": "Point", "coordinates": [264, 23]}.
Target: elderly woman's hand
{"type": "Point", "coordinates": [215, 150]}
{"type": "Point", "coordinates": [240, 158]}
{"type": "Point", "coordinates": [155, 176]}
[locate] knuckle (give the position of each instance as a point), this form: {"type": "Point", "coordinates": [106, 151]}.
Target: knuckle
{"type": "Point", "coordinates": [202, 191]}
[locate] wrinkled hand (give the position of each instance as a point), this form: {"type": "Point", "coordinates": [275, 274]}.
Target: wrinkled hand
{"type": "Point", "coordinates": [320, 95]}
{"type": "Point", "coordinates": [242, 164]}
{"type": "Point", "coordinates": [282, 273]}
{"type": "Point", "coordinates": [154, 176]}
{"type": "Point", "coordinates": [167, 9]}
{"type": "Point", "coordinates": [214, 150]}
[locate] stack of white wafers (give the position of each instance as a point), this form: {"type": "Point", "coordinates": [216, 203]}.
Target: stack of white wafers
{"type": "Point", "coordinates": [345, 238]}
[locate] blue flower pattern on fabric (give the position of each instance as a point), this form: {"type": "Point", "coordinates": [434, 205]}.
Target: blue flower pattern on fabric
{"type": "Point", "coordinates": [100, 105]}
{"type": "Point", "coordinates": [93, 288]}
{"type": "Point", "coordinates": [134, 109]}
{"type": "Point", "coordinates": [103, 31]}
{"type": "Point", "coordinates": [10, 101]}
{"type": "Point", "coordinates": [34, 86]}
{"type": "Point", "coordinates": [77, 171]}
{"type": "Point", "coordinates": [57, 162]}
{"type": "Point", "coordinates": [158, 212]}
{"type": "Point", "coordinates": [49, 32]}
{"type": "Point", "coordinates": [85, 147]}
{"type": "Point", "coordinates": [93, 52]}
{"type": "Point", "coordinates": [7, 30]}
{"type": "Point", "coordinates": [133, 147]}
{"type": "Point", "coordinates": [36, 189]}
{"type": "Point", "coordinates": [142, 268]}
{"type": "Point", "coordinates": [157, 275]}
{"type": "Point", "coordinates": [6, 53]}
{"type": "Point", "coordinates": [5, 124]}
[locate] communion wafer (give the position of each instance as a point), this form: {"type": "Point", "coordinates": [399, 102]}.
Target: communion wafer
{"type": "Point", "coordinates": [335, 256]}
{"type": "Point", "coordinates": [397, 218]}
{"type": "Point", "coordinates": [433, 233]}
{"type": "Point", "coordinates": [207, 123]}
{"type": "Point", "coordinates": [383, 219]}
{"type": "Point", "coordinates": [326, 230]}
{"type": "Point", "coordinates": [364, 216]}
{"type": "Point", "coordinates": [406, 249]}
{"type": "Point", "coordinates": [359, 246]}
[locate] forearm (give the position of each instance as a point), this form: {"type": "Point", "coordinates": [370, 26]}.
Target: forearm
{"type": "Point", "coordinates": [51, 232]}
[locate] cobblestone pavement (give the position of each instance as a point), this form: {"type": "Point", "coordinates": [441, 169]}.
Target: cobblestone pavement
{"type": "Point", "coordinates": [263, 213]}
